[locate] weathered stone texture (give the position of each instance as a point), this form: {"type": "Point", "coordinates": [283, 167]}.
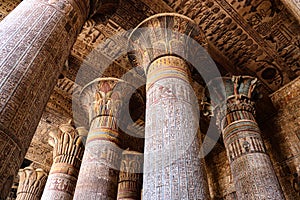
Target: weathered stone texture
{"type": "Point", "coordinates": [130, 176]}
{"type": "Point", "coordinates": [173, 167]}
{"type": "Point", "coordinates": [36, 39]}
{"type": "Point", "coordinates": [103, 99]}
{"type": "Point", "coordinates": [258, 37]}
{"type": "Point", "coordinates": [294, 7]}
{"type": "Point", "coordinates": [6, 6]}
{"type": "Point", "coordinates": [251, 167]}
{"type": "Point", "coordinates": [68, 147]}
{"type": "Point", "coordinates": [31, 184]}
{"type": "Point", "coordinates": [283, 138]}
{"type": "Point", "coordinates": [249, 37]}
{"type": "Point", "coordinates": [219, 175]}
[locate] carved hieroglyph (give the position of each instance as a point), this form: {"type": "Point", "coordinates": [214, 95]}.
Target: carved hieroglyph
{"type": "Point", "coordinates": [173, 168]}
{"type": "Point", "coordinates": [31, 184]}
{"type": "Point", "coordinates": [7, 6]}
{"type": "Point", "coordinates": [250, 37]}
{"type": "Point", "coordinates": [130, 177]}
{"type": "Point", "coordinates": [35, 41]}
{"type": "Point", "coordinates": [103, 99]}
{"type": "Point", "coordinates": [284, 131]}
{"type": "Point", "coordinates": [251, 167]}
{"type": "Point", "coordinates": [68, 148]}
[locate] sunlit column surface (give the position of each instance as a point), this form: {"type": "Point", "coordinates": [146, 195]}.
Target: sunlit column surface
{"type": "Point", "coordinates": [173, 168]}
{"type": "Point", "coordinates": [35, 41]}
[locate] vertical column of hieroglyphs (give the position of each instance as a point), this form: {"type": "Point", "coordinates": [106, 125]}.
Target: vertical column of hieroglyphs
{"type": "Point", "coordinates": [68, 148]}
{"type": "Point", "coordinates": [35, 40]}
{"type": "Point", "coordinates": [172, 165]}
{"type": "Point", "coordinates": [251, 167]}
{"type": "Point", "coordinates": [103, 100]}
{"type": "Point", "coordinates": [130, 177]}
{"type": "Point", "coordinates": [31, 184]}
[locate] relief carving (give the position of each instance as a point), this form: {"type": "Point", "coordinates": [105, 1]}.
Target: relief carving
{"type": "Point", "coordinates": [249, 161]}
{"type": "Point", "coordinates": [245, 32]}
{"type": "Point", "coordinates": [31, 184]}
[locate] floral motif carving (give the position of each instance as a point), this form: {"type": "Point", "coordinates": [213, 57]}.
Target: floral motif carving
{"type": "Point", "coordinates": [31, 184]}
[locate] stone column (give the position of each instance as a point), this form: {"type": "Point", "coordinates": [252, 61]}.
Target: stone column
{"type": "Point", "coordinates": [130, 177]}
{"type": "Point", "coordinates": [173, 167]}
{"type": "Point", "coordinates": [68, 148]}
{"type": "Point", "coordinates": [294, 7]}
{"type": "Point", "coordinates": [103, 100]}
{"type": "Point", "coordinates": [252, 171]}
{"type": "Point", "coordinates": [31, 184]}
{"type": "Point", "coordinates": [35, 41]}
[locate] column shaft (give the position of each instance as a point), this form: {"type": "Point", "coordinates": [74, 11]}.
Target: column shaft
{"type": "Point", "coordinates": [173, 168]}
{"type": "Point", "coordinates": [35, 40]}
{"type": "Point", "coordinates": [31, 184]}
{"type": "Point", "coordinates": [98, 177]}
{"type": "Point", "coordinates": [103, 100]}
{"type": "Point", "coordinates": [68, 144]}
{"type": "Point", "coordinates": [251, 167]}
{"type": "Point", "coordinates": [250, 164]}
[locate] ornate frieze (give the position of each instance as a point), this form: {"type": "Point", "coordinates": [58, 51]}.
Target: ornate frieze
{"type": "Point", "coordinates": [254, 37]}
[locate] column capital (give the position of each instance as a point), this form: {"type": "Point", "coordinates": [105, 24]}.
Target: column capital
{"type": "Point", "coordinates": [31, 184]}
{"type": "Point", "coordinates": [130, 177]}
{"type": "Point", "coordinates": [106, 97]}
{"type": "Point", "coordinates": [229, 94]}
{"type": "Point", "coordinates": [233, 100]}
{"type": "Point", "coordinates": [132, 162]}
{"type": "Point", "coordinates": [68, 146]}
{"type": "Point", "coordinates": [163, 34]}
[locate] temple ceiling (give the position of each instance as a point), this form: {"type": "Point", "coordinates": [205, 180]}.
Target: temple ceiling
{"type": "Point", "coordinates": [258, 38]}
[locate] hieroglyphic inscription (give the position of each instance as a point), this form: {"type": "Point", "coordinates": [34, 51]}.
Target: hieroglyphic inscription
{"type": "Point", "coordinates": [251, 167]}
{"type": "Point", "coordinates": [258, 37]}
{"type": "Point", "coordinates": [29, 70]}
